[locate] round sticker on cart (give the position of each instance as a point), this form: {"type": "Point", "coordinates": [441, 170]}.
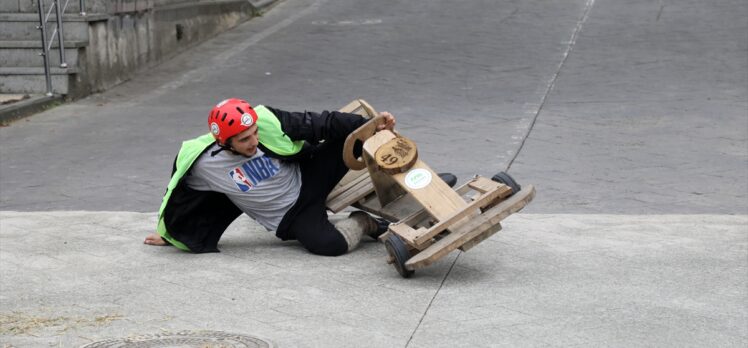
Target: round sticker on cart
{"type": "Point", "coordinates": [418, 178]}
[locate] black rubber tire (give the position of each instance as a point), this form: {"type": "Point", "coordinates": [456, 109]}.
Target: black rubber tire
{"type": "Point", "coordinates": [506, 179]}
{"type": "Point", "coordinates": [399, 252]}
{"type": "Point", "coordinates": [448, 178]}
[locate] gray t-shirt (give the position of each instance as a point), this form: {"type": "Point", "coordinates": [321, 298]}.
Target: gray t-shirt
{"type": "Point", "coordinates": [264, 188]}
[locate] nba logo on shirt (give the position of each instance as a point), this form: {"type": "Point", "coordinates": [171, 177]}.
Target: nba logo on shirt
{"type": "Point", "coordinates": [240, 179]}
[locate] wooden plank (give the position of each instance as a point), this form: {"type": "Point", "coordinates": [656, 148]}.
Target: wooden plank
{"type": "Point", "coordinates": [471, 229]}
{"type": "Point", "coordinates": [384, 237]}
{"type": "Point", "coordinates": [353, 194]}
{"type": "Point", "coordinates": [351, 176]}
{"type": "Point", "coordinates": [481, 237]}
{"type": "Point", "coordinates": [482, 184]}
{"type": "Point", "coordinates": [469, 210]}
{"type": "Point", "coordinates": [360, 107]}
{"type": "Point", "coordinates": [407, 233]}
{"type": "Point", "coordinates": [462, 189]}
{"type": "Point", "coordinates": [437, 197]}
{"type": "Point", "coordinates": [402, 229]}
{"type": "Point", "coordinates": [396, 210]}
{"type": "Point", "coordinates": [358, 190]}
{"type": "Point", "coordinates": [353, 107]}
{"type": "Point", "coordinates": [385, 186]}
{"type": "Point", "coordinates": [405, 208]}
{"type": "Point", "coordinates": [411, 213]}
{"type": "Point", "coordinates": [368, 109]}
{"type": "Point", "coordinates": [375, 141]}
{"type": "Point", "coordinates": [415, 217]}
{"type": "Point", "coordinates": [351, 182]}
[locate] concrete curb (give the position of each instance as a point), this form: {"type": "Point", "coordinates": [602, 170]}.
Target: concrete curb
{"type": "Point", "coordinates": [261, 5]}
{"type": "Point", "coordinates": [27, 107]}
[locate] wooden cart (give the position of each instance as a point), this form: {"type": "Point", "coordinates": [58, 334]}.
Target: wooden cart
{"type": "Point", "coordinates": [430, 219]}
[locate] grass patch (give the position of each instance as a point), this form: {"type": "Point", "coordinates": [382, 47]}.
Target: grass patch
{"type": "Point", "coordinates": [17, 323]}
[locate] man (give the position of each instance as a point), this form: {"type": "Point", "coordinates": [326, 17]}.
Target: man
{"type": "Point", "coordinates": [276, 166]}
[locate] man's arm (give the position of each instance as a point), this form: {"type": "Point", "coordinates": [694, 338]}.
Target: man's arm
{"type": "Point", "coordinates": [327, 125]}
{"type": "Point", "coordinates": [314, 127]}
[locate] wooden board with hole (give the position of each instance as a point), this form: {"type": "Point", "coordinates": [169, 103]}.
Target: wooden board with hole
{"type": "Point", "coordinates": [356, 184]}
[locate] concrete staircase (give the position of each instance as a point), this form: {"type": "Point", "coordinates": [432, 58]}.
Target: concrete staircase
{"type": "Point", "coordinates": [21, 62]}
{"type": "Point", "coordinates": [103, 48]}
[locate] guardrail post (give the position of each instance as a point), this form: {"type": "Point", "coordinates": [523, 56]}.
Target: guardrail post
{"type": "Point", "coordinates": [63, 61]}
{"type": "Point", "coordinates": [45, 50]}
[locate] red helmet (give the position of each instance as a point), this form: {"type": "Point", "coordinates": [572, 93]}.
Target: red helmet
{"type": "Point", "coordinates": [230, 117]}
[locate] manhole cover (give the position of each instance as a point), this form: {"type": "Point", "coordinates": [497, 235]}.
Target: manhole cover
{"type": "Point", "coordinates": [184, 339]}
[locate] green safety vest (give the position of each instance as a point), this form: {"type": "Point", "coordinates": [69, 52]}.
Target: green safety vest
{"type": "Point", "coordinates": [270, 135]}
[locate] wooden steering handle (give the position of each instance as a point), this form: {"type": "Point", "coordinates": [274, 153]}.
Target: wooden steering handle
{"type": "Point", "coordinates": [360, 134]}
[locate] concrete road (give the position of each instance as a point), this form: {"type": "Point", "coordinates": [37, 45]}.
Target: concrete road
{"type": "Point", "coordinates": [630, 117]}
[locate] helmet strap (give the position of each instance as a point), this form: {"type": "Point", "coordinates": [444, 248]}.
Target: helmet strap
{"type": "Point", "coordinates": [221, 147]}
{"type": "Point", "coordinates": [214, 153]}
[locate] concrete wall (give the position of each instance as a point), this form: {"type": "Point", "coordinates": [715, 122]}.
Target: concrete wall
{"type": "Point", "coordinates": [139, 33]}
{"type": "Point", "coordinates": [10, 6]}
{"type": "Point", "coordinates": [91, 6]}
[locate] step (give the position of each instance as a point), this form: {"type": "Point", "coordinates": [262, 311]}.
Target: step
{"type": "Point", "coordinates": [12, 107]}
{"type": "Point", "coordinates": [73, 6]}
{"type": "Point", "coordinates": [23, 26]}
{"type": "Point", "coordinates": [32, 80]}
{"type": "Point", "coordinates": [28, 53]}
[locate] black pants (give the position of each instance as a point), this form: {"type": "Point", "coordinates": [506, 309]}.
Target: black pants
{"type": "Point", "coordinates": [307, 221]}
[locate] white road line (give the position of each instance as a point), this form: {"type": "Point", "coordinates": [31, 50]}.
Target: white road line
{"type": "Point", "coordinates": [552, 82]}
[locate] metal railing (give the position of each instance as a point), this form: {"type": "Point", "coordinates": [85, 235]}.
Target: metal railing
{"type": "Point", "coordinates": [47, 44]}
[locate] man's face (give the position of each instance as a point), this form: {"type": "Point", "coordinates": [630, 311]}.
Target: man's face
{"type": "Point", "coordinates": [246, 142]}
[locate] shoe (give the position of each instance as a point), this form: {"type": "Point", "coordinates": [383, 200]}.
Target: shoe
{"type": "Point", "coordinates": [449, 178]}
{"type": "Point", "coordinates": [383, 226]}
{"type": "Point", "coordinates": [378, 225]}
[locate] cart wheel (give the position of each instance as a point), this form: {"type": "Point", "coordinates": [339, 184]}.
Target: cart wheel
{"type": "Point", "coordinates": [399, 253]}
{"type": "Point", "coordinates": [507, 179]}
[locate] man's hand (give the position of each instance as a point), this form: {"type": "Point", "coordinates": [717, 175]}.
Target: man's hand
{"type": "Point", "coordinates": [389, 121]}
{"type": "Point", "coordinates": [154, 239]}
